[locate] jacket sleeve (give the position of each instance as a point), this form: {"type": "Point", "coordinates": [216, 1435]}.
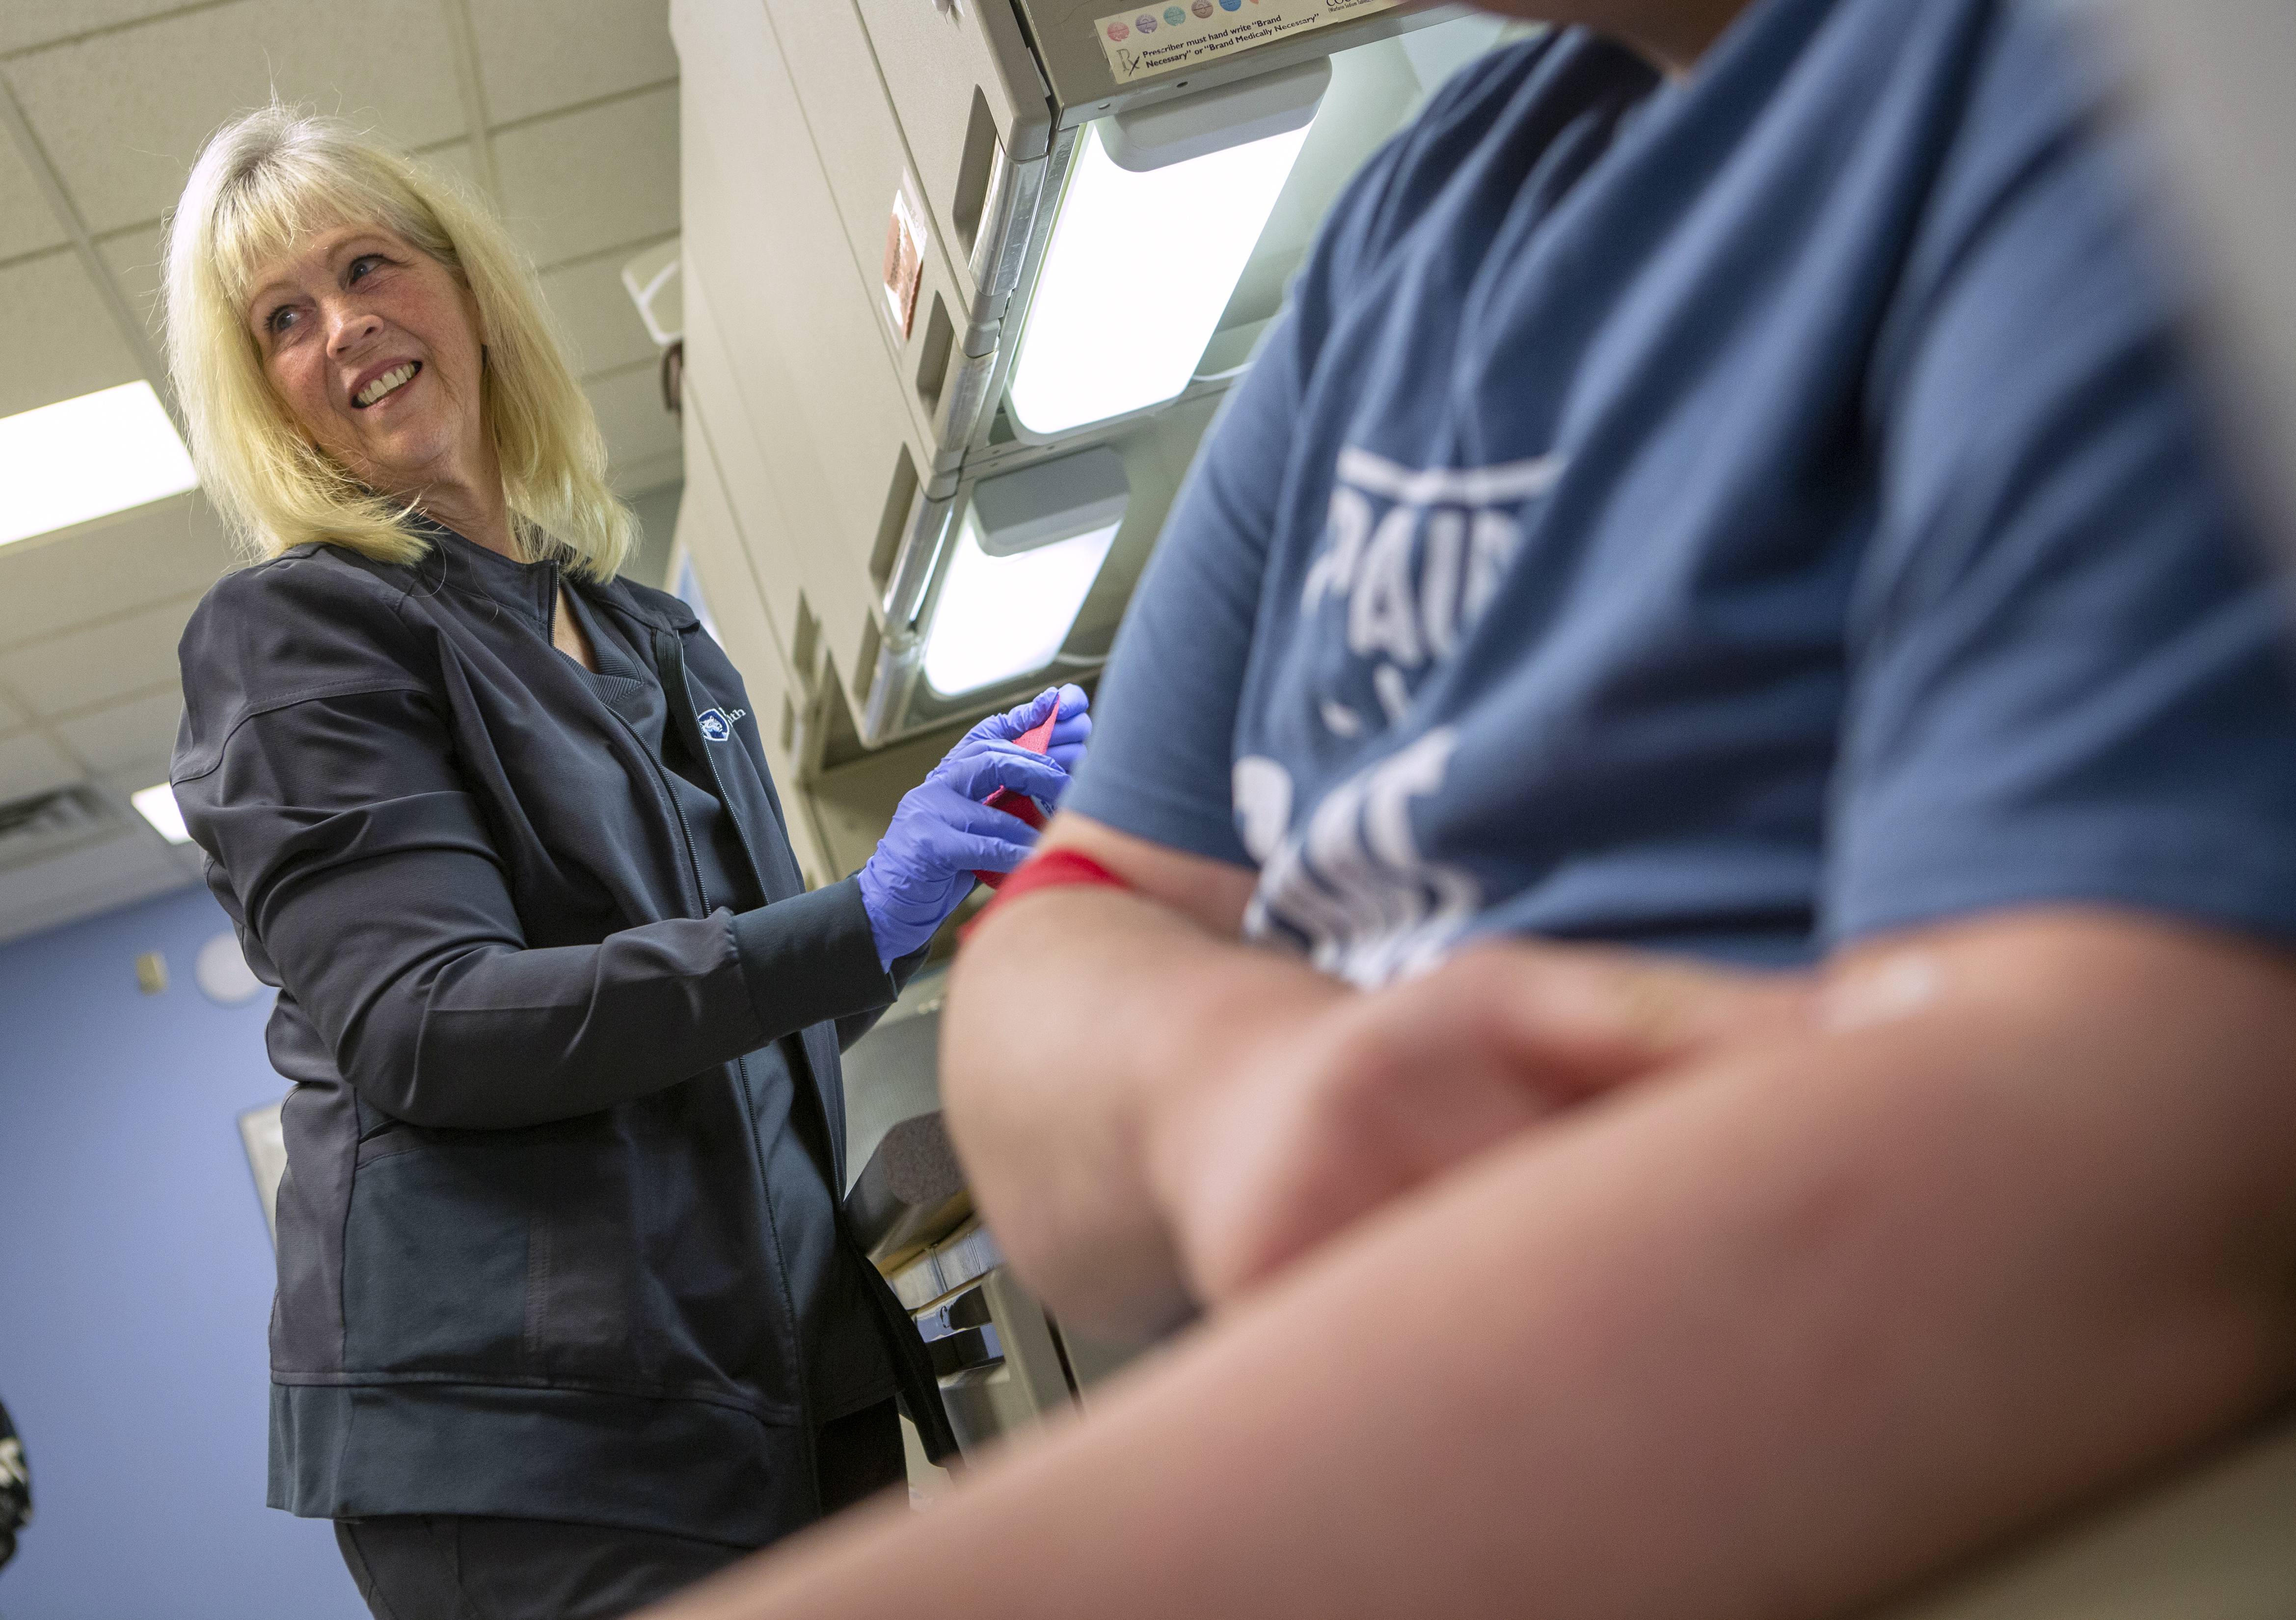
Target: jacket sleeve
{"type": "Point", "coordinates": [316, 767]}
{"type": "Point", "coordinates": [851, 1027]}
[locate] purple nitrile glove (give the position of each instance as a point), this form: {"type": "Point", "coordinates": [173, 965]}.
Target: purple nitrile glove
{"type": "Point", "coordinates": [942, 834]}
{"type": "Point", "coordinates": [1069, 732]}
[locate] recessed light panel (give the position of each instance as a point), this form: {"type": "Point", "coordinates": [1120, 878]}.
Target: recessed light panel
{"type": "Point", "coordinates": [1140, 267]}
{"type": "Point", "coordinates": [86, 458]}
{"type": "Point", "coordinates": [1025, 556]}
{"type": "Point", "coordinates": [157, 807]}
{"type": "Point", "coordinates": [999, 617]}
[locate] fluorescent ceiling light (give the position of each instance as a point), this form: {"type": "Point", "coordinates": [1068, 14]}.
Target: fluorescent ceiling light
{"type": "Point", "coordinates": [157, 807]}
{"type": "Point", "coordinates": [999, 617]}
{"type": "Point", "coordinates": [1140, 267]}
{"type": "Point", "coordinates": [101, 453]}
{"type": "Point", "coordinates": [1030, 545]}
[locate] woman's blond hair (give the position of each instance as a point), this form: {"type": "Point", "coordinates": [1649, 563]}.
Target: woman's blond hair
{"type": "Point", "coordinates": [262, 184]}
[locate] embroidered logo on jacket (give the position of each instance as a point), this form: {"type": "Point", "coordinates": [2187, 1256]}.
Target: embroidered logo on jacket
{"type": "Point", "coordinates": [716, 724]}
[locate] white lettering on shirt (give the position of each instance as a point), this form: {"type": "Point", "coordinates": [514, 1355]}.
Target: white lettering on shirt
{"type": "Point", "coordinates": [1416, 576]}
{"type": "Point", "coordinates": [1353, 885]}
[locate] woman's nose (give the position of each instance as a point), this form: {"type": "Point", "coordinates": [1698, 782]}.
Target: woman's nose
{"type": "Point", "coordinates": [352, 327]}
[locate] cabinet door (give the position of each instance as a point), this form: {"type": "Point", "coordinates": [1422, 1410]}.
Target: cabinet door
{"type": "Point", "coordinates": [971, 105]}
{"type": "Point", "coordinates": [784, 342]}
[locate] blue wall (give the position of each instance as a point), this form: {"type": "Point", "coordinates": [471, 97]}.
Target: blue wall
{"type": "Point", "coordinates": [135, 1285]}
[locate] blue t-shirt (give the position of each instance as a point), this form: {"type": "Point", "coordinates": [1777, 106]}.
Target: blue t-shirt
{"type": "Point", "coordinates": [1734, 515]}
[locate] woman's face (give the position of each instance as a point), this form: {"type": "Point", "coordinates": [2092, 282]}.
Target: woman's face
{"type": "Point", "coordinates": [374, 348]}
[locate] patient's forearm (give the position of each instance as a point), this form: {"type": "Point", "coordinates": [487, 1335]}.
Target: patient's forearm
{"type": "Point", "coordinates": [1154, 1116]}
{"type": "Point", "coordinates": [1766, 1337]}
{"type": "Point", "coordinates": [1078, 1007]}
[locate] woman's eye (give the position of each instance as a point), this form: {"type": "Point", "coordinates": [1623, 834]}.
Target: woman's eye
{"type": "Point", "coordinates": [364, 263]}
{"type": "Point", "coordinates": [279, 319]}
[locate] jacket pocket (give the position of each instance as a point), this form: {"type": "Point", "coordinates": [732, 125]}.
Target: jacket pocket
{"type": "Point", "coordinates": [495, 1254]}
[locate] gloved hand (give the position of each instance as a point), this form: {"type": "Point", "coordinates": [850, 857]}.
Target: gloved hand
{"type": "Point", "coordinates": [942, 833]}
{"type": "Point", "coordinates": [1069, 733]}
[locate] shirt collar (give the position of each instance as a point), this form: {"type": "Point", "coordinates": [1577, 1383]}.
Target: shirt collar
{"type": "Point", "coordinates": [525, 588]}
{"type": "Point", "coordinates": [528, 587]}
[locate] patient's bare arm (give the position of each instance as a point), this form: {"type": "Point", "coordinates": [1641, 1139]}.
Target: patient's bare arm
{"type": "Point", "coordinates": [2008, 1220]}
{"type": "Point", "coordinates": [1215, 1109]}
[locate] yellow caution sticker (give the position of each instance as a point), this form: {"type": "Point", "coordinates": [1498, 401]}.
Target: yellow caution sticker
{"type": "Point", "coordinates": [1154, 39]}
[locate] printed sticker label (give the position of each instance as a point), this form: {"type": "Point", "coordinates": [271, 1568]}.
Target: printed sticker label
{"type": "Point", "coordinates": [905, 261]}
{"type": "Point", "coordinates": [1155, 39]}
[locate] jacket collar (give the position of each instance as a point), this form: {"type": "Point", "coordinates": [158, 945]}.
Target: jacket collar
{"type": "Point", "coordinates": [527, 588]}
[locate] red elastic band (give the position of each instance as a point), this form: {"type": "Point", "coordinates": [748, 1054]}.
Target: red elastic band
{"type": "Point", "coordinates": [1054, 869]}
{"type": "Point", "coordinates": [1037, 739]}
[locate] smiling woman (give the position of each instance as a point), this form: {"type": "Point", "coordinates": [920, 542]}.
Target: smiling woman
{"type": "Point", "coordinates": [567, 1317]}
{"type": "Point", "coordinates": [305, 265]}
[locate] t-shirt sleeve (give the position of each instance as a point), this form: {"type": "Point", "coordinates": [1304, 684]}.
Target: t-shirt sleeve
{"type": "Point", "coordinates": [1166, 715]}
{"type": "Point", "coordinates": [1165, 720]}
{"type": "Point", "coordinates": [2069, 675]}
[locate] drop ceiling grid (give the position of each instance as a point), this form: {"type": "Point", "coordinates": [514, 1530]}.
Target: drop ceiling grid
{"type": "Point", "coordinates": [577, 101]}
{"type": "Point", "coordinates": [26, 225]}
{"type": "Point", "coordinates": [88, 625]}
{"type": "Point", "coordinates": [132, 866]}
{"type": "Point", "coordinates": [584, 95]}
{"type": "Point", "coordinates": [57, 340]}
{"type": "Point", "coordinates": [123, 113]}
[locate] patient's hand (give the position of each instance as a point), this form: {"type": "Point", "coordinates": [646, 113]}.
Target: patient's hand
{"type": "Point", "coordinates": [1322, 1119]}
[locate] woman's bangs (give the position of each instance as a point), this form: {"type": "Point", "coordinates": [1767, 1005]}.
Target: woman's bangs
{"type": "Point", "coordinates": [272, 211]}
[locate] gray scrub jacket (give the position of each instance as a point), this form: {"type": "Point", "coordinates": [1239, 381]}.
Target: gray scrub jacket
{"type": "Point", "coordinates": [559, 1235]}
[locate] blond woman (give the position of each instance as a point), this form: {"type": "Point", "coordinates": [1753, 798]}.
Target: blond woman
{"type": "Point", "coordinates": [566, 1317]}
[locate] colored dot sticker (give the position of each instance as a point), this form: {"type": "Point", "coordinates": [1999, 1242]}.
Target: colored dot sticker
{"type": "Point", "coordinates": [1202, 8]}
{"type": "Point", "coordinates": [1174, 15]}
{"type": "Point", "coordinates": [1117, 30]}
{"type": "Point", "coordinates": [1231, 5]}
{"type": "Point", "coordinates": [1145, 23]}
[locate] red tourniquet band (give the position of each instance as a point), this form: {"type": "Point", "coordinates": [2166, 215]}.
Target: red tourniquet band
{"type": "Point", "coordinates": [1054, 869]}
{"type": "Point", "coordinates": [1037, 739]}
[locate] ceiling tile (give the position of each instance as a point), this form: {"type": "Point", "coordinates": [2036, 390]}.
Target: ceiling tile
{"type": "Point", "coordinates": [31, 764]}
{"type": "Point", "coordinates": [94, 878]}
{"type": "Point", "coordinates": [591, 180]}
{"type": "Point", "coordinates": [595, 308]}
{"type": "Point", "coordinates": [132, 773]}
{"type": "Point", "coordinates": [631, 417]}
{"type": "Point", "coordinates": [133, 738]}
{"type": "Point", "coordinates": [169, 550]}
{"type": "Point", "coordinates": [122, 114]}
{"type": "Point", "coordinates": [31, 23]}
{"type": "Point", "coordinates": [631, 479]}
{"type": "Point", "coordinates": [57, 340]}
{"type": "Point", "coordinates": [82, 668]}
{"type": "Point", "coordinates": [26, 225]}
{"type": "Point", "coordinates": [538, 55]}
{"type": "Point", "coordinates": [455, 158]}
{"type": "Point", "coordinates": [132, 255]}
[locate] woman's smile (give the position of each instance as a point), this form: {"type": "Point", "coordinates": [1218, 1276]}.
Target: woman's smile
{"type": "Point", "coordinates": [383, 384]}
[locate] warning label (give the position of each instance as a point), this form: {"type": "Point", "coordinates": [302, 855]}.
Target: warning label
{"type": "Point", "coordinates": [1157, 39]}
